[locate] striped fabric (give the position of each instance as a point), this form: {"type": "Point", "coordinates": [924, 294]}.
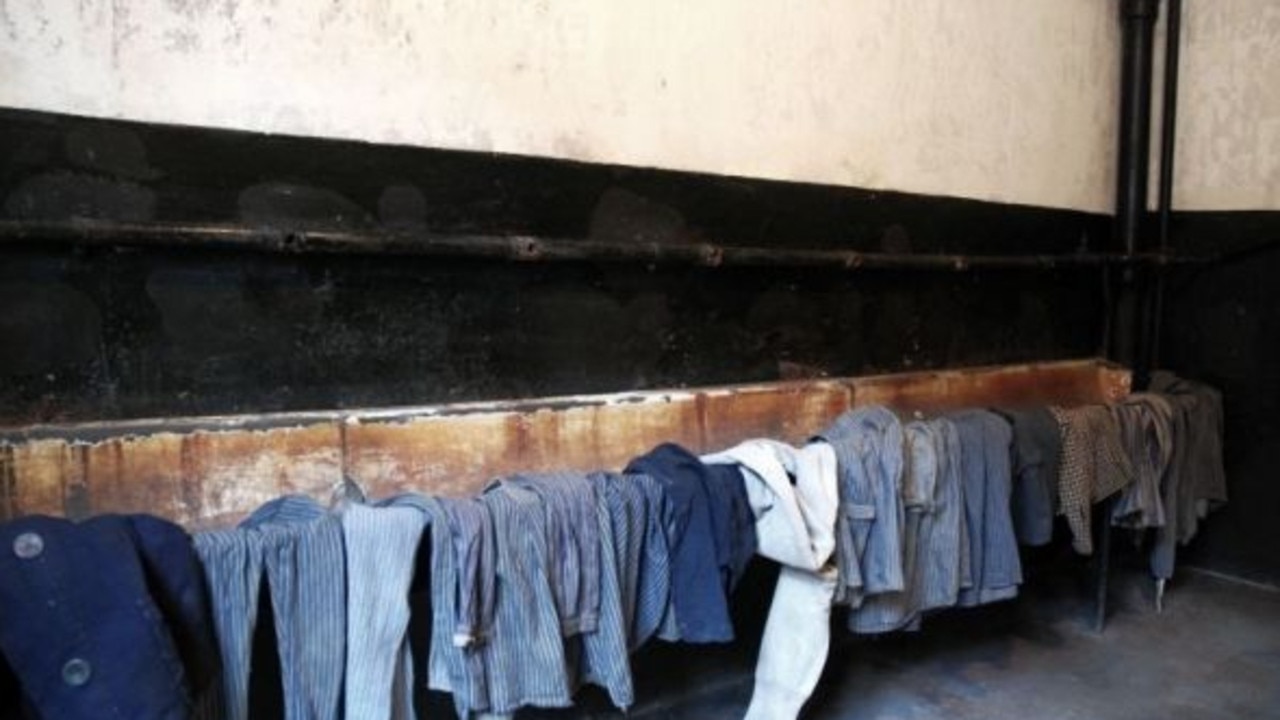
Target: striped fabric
{"type": "Point", "coordinates": [986, 476]}
{"type": "Point", "coordinates": [655, 609]}
{"type": "Point", "coordinates": [604, 652]}
{"type": "Point", "coordinates": [299, 547]}
{"type": "Point", "coordinates": [573, 544]}
{"type": "Point", "coordinates": [636, 508]}
{"type": "Point", "coordinates": [869, 453]}
{"type": "Point", "coordinates": [451, 668]}
{"type": "Point", "coordinates": [233, 562]}
{"type": "Point", "coordinates": [943, 549]}
{"type": "Point", "coordinates": [471, 537]}
{"type": "Point", "coordinates": [302, 545]}
{"type": "Point", "coordinates": [1146, 428]}
{"type": "Point", "coordinates": [524, 657]}
{"type": "Point", "coordinates": [935, 547]}
{"type": "Point", "coordinates": [894, 610]}
{"type": "Point", "coordinates": [381, 544]}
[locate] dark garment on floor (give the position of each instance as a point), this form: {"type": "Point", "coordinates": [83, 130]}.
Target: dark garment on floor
{"type": "Point", "coordinates": [1037, 453]}
{"type": "Point", "coordinates": [710, 534]}
{"type": "Point", "coordinates": [106, 619]}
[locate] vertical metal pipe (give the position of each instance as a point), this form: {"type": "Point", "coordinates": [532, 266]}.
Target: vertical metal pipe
{"type": "Point", "coordinates": [1164, 206]}
{"type": "Point", "coordinates": [1169, 116]}
{"type": "Point", "coordinates": [1138, 19]}
{"type": "Point", "coordinates": [1129, 312]}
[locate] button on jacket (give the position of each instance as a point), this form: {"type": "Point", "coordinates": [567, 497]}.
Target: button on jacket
{"type": "Point", "coordinates": [105, 619]}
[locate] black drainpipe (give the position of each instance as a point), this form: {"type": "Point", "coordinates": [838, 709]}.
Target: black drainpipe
{"type": "Point", "coordinates": [1164, 204]}
{"type": "Point", "coordinates": [1138, 19]}
{"type": "Point", "coordinates": [1129, 314]}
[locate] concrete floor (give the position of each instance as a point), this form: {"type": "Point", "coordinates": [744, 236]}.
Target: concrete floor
{"type": "Point", "coordinates": [1213, 653]}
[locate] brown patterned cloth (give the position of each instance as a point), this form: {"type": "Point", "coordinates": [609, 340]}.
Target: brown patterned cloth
{"type": "Point", "coordinates": [1094, 466]}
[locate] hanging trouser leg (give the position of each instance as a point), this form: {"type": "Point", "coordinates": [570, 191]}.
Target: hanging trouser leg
{"type": "Point", "coordinates": [797, 636]}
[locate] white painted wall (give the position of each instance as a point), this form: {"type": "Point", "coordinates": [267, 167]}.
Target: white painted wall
{"type": "Point", "coordinates": [1008, 100]}
{"type": "Point", "coordinates": [1228, 144]}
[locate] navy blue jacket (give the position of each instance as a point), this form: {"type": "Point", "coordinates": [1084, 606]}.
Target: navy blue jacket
{"type": "Point", "coordinates": [104, 619]}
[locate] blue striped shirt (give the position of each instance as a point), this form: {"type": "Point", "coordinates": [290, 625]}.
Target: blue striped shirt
{"type": "Point", "coordinates": [573, 545]}
{"type": "Point", "coordinates": [524, 656]}
{"type": "Point", "coordinates": [986, 475]}
{"type": "Point", "coordinates": [471, 535]}
{"type": "Point", "coordinates": [381, 544]}
{"type": "Point", "coordinates": [869, 455]}
{"type": "Point", "coordinates": [604, 652]}
{"type": "Point", "coordinates": [304, 562]}
{"type": "Point", "coordinates": [636, 508]}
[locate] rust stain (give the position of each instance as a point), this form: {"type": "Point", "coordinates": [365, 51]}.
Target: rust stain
{"type": "Point", "coordinates": [240, 470]}
{"type": "Point", "coordinates": [451, 456]}
{"type": "Point", "coordinates": [190, 479]}
{"type": "Point", "coordinates": [792, 413]}
{"type": "Point", "coordinates": [1054, 384]}
{"type": "Point", "coordinates": [77, 502]}
{"type": "Point", "coordinates": [206, 478]}
{"type": "Point", "coordinates": [37, 477]}
{"type": "Point", "coordinates": [7, 484]}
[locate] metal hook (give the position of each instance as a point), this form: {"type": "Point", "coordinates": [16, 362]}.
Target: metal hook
{"type": "Point", "coordinates": [346, 491]}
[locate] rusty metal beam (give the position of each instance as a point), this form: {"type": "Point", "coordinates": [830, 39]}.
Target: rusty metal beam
{"type": "Point", "coordinates": [527, 248]}
{"type": "Point", "coordinates": [209, 471]}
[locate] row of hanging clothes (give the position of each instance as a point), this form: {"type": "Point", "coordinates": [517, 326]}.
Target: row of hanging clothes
{"type": "Point", "coordinates": [546, 582]}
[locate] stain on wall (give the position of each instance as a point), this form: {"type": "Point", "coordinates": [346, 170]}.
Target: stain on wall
{"type": "Point", "coordinates": [113, 332]}
{"type": "Point", "coordinates": [1006, 100]}
{"type": "Point", "coordinates": [1228, 145]}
